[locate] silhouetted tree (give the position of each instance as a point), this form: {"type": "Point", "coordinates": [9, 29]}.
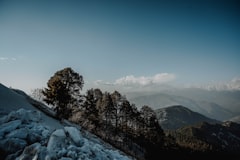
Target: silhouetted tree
{"type": "Point", "coordinates": [63, 91]}
{"type": "Point", "coordinates": [89, 109]}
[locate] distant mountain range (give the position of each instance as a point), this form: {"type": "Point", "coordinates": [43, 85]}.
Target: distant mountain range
{"type": "Point", "coordinates": [220, 105]}
{"type": "Point", "coordinates": [174, 117]}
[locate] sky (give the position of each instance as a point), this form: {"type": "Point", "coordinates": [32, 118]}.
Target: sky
{"type": "Point", "coordinates": [120, 44]}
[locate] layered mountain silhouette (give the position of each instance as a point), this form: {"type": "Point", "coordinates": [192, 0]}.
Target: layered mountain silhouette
{"type": "Point", "coordinates": [202, 106]}
{"type": "Point", "coordinates": [178, 116]}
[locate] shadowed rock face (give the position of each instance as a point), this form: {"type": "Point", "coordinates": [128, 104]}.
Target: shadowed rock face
{"type": "Point", "coordinates": [175, 117]}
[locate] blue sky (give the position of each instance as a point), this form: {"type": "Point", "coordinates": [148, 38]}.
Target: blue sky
{"type": "Point", "coordinates": [120, 43]}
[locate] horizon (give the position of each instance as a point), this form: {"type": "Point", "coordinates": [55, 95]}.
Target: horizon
{"type": "Point", "coordinates": [121, 45]}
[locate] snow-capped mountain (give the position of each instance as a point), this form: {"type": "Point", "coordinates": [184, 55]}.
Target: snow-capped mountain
{"type": "Point", "coordinates": [28, 133]}
{"type": "Point", "coordinates": [174, 117]}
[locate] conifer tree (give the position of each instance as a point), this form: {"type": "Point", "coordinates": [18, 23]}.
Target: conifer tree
{"type": "Point", "coordinates": [63, 91]}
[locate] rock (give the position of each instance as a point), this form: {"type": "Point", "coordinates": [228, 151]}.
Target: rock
{"type": "Point", "coordinates": [43, 154]}
{"type": "Point", "coordinates": [56, 142]}
{"type": "Point", "coordinates": [62, 152]}
{"type": "Point", "coordinates": [34, 151]}
{"type": "Point", "coordinates": [30, 152]}
{"type": "Point", "coordinates": [3, 119]}
{"type": "Point", "coordinates": [11, 145]}
{"type": "Point", "coordinates": [45, 133]}
{"type": "Point", "coordinates": [14, 155]}
{"type": "Point", "coordinates": [27, 115]}
{"type": "Point", "coordinates": [65, 158]}
{"type": "Point", "coordinates": [9, 126]}
{"type": "Point", "coordinates": [75, 135]}
{"type": "Point", "coordinates": [21, 133]}
{"type": "Point", "coordinates": [72, 154]}
{"type": "Point", "coordinates": [33, 137]}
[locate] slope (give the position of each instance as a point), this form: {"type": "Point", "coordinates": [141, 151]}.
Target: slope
{"type": "Point", "coordinates": [175, 117]}
{"type": "Point", "coordinates": [28, 133]}
{"type": "Point", "coordinates": [218, 139]}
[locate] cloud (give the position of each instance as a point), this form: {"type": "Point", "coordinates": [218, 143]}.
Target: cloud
{"type": "Point", "coordinates": [131, 80]}
{"type": "Point", "coordinates": [145, 81]}
{"type": "Point", "coordinates": [3, 58]}
{"type": "Point", "coordinates": [232, 85]}
{"type": "Point", "coordinates": [7, 59]}
{"type": "Point", "coordinates": [101, 82]}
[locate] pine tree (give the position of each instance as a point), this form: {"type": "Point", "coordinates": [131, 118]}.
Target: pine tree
{"type": "Point", "coordinates": [90, 110]}
{"type": "Point", "coordinates": [63, 91]}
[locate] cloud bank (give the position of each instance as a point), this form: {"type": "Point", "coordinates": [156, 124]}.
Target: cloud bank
{"type": "Point", "coordinates": [144, 81]}
{"type": "Point", "coordinates": [232, 85]}
{"type": "Point", "coordinates": [162, 80]}
{"type": "Point", "coordinates": [131, 80]}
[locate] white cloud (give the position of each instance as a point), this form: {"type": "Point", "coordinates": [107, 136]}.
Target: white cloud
{"type": "Point", "coordinates": [100, 82]}
{"type": "Point", "coordinates": [7, 59]}
{"type": "Point", "coordinates": [144, 81]}
{"type": "Point", "coordinates": [234, 84]}
{"type": "Point", "coordinates": [3, 58]}
{"type": "Point", "coordinates": [131, 80]}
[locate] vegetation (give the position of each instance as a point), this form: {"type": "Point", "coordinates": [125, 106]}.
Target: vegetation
{"type": "Point", "coordinates": [63, 91]}
{"type": "Point", "coordinates": [114, 119]}
{"type": "Point", "coordinates": [136, 132]}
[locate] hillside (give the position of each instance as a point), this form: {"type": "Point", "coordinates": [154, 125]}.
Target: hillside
{"type": "Point", "coordinates": [174, 117]}
{"type": "Point", "coordinates": [28, 133]}
{"type": "Point", "coordinates": [223, 139]}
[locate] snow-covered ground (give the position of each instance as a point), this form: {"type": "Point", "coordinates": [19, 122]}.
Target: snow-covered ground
{"type": "Point", "coordinates": [27, 133]}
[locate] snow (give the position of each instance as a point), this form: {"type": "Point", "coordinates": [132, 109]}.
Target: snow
{"type": "Point", "coordinates": [28, 133]}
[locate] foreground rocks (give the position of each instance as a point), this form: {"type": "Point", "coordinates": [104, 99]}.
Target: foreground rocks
{"type": "Point", "coordinates": [23, 136]}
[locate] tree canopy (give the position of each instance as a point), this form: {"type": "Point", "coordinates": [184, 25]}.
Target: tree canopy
{"type": "Point", "coordinates": [63, 91]}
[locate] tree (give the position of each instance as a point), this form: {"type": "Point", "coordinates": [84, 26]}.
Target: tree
{"type": "Point", "coordinates": [117, 102]}
{"type": "Point", "coordinates": [37, 94]}
{"type": "Point", "coordinates": [63, 91]}
{"type": "Point", "coordinates": [152, 129]}
{"type": "Point", "coordinates": [89, 109]}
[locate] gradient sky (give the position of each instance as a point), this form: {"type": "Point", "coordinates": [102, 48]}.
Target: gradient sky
{"type": "Point", "coordinates": [134, 41]}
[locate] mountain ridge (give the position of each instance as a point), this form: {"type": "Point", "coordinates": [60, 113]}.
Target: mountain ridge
{"type": "Point", "coordinates": [177, 116]}
{"type": "Point", "coordinates": [161, 100]}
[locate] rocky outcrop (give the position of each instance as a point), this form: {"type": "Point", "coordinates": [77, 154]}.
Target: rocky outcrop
{"type": "Point", "coordinates": [23, 136]}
